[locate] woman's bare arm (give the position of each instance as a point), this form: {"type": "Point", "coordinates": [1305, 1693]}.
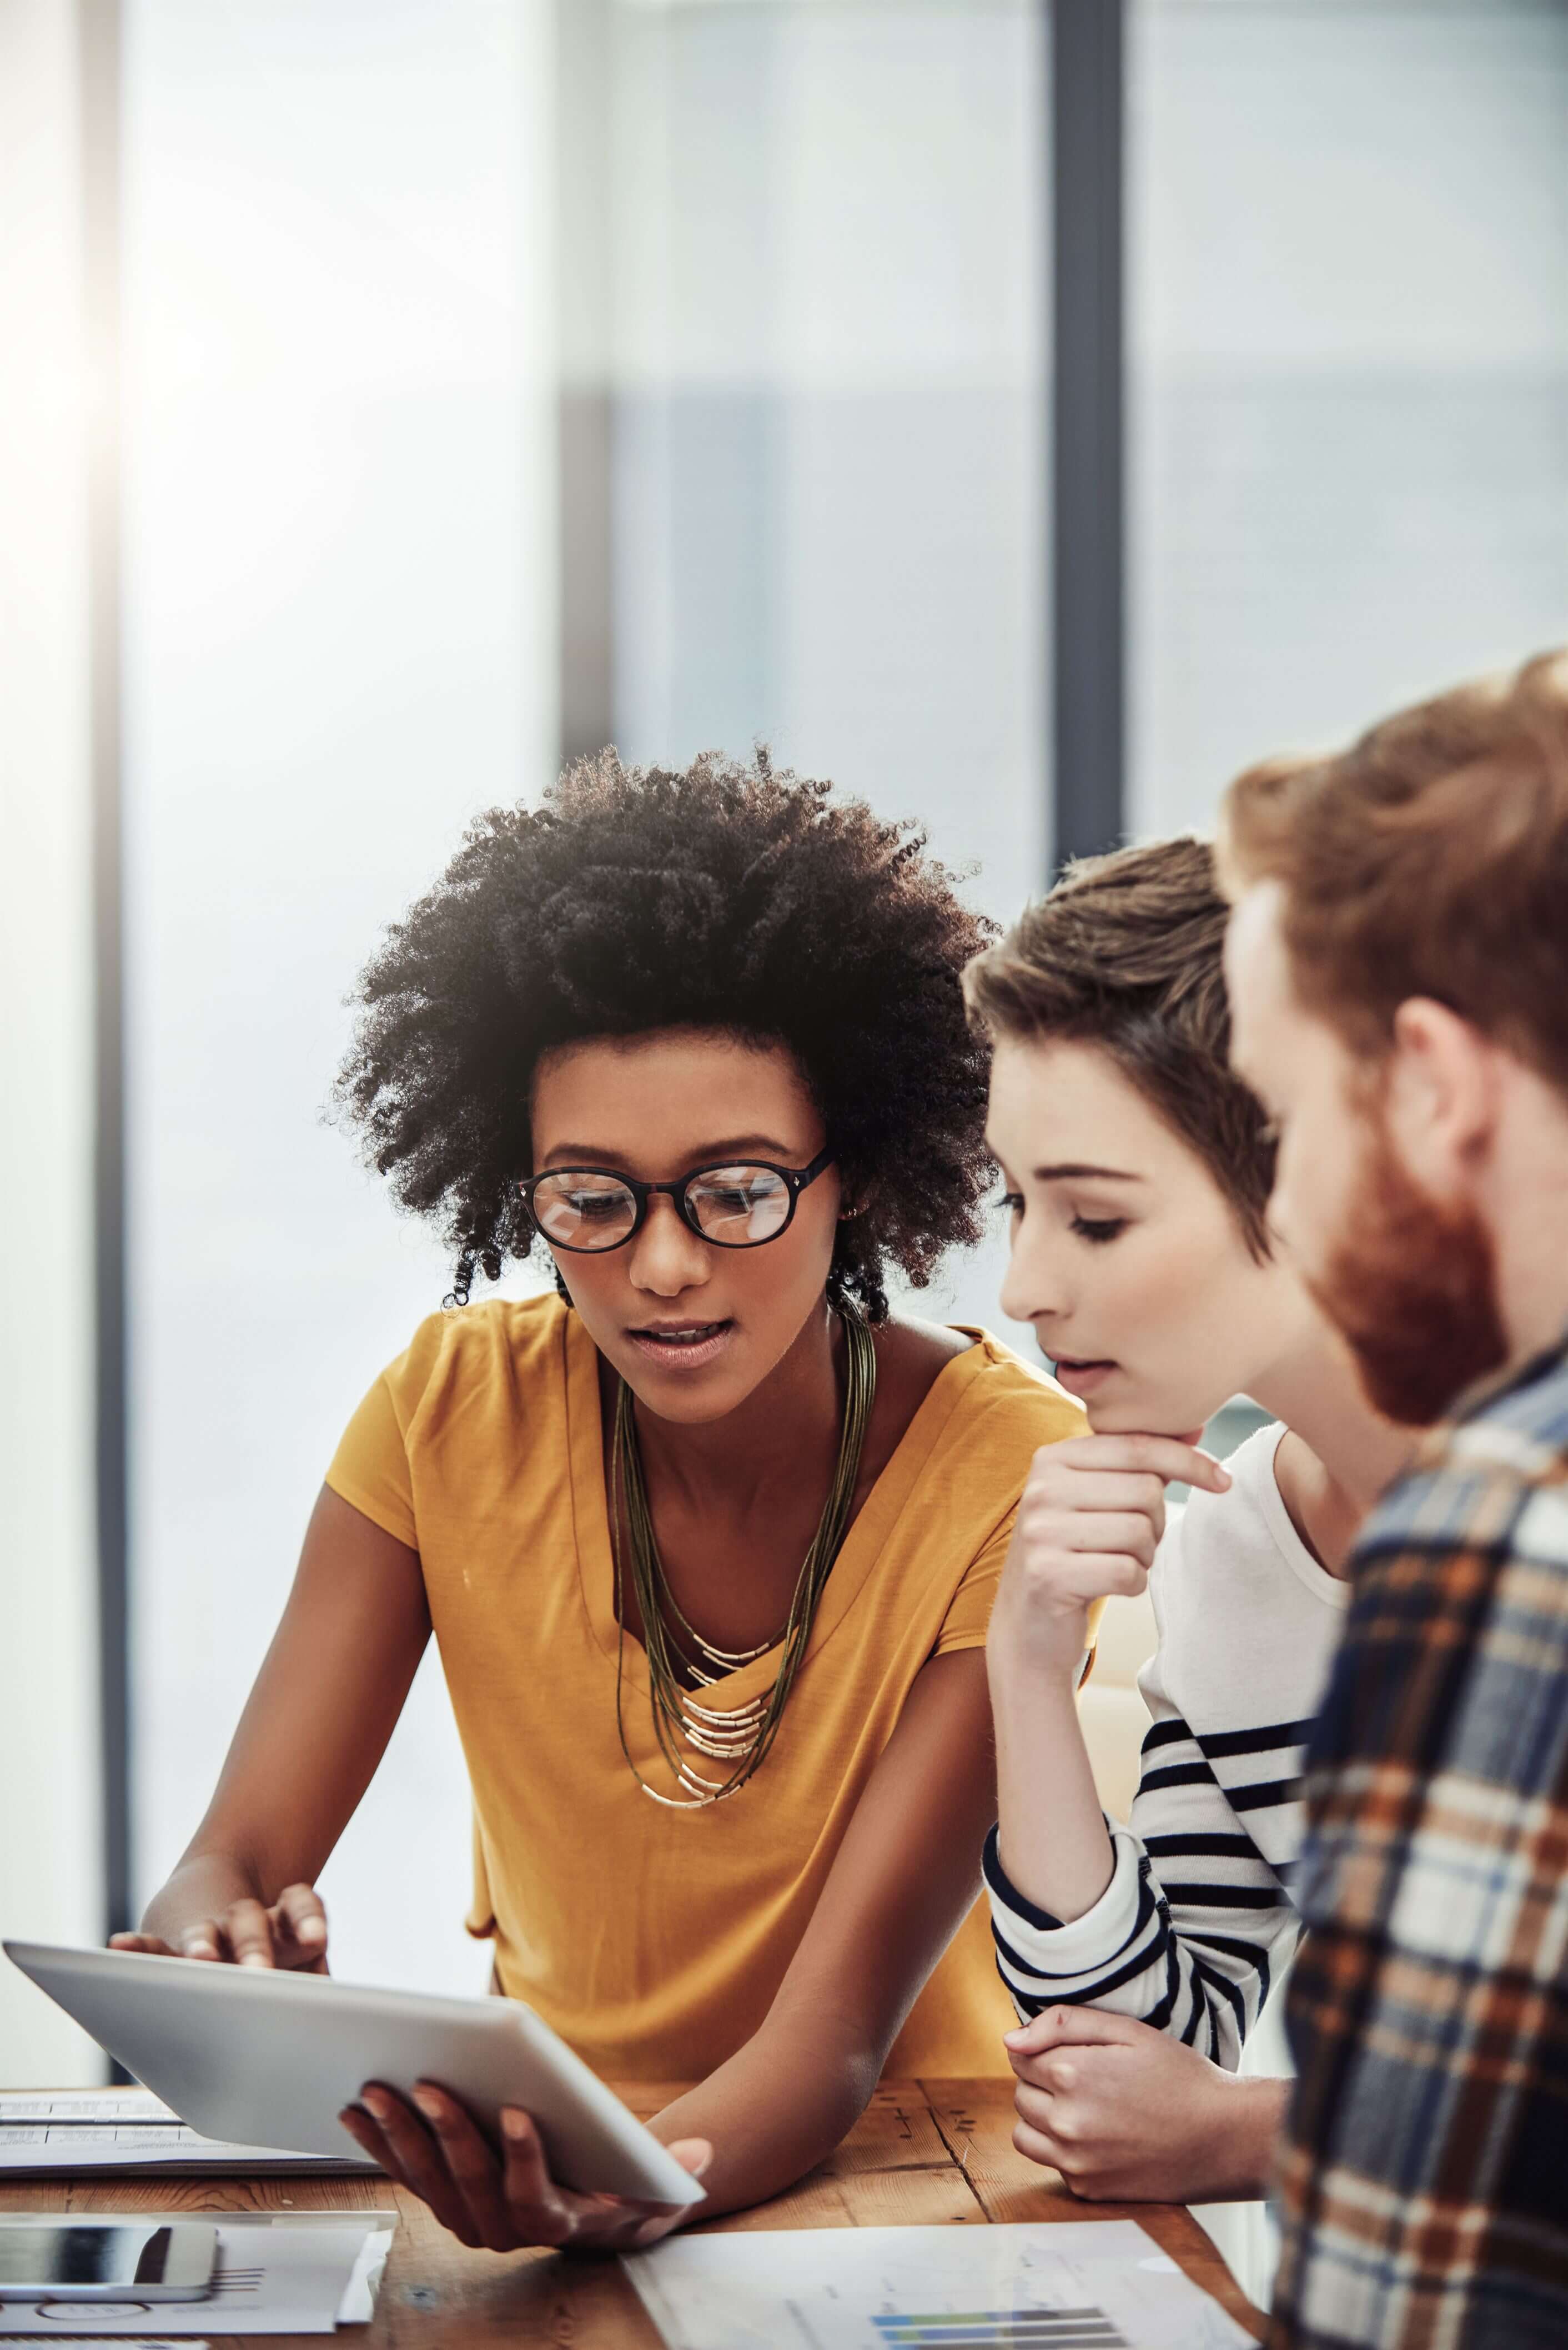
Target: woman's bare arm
{"type": "Point", "coordinates": [1089, 1522]}
{"type": "Point", "coordinates": [315, 1726]}
{"type": "Point", "coordinates": [904, 1877]}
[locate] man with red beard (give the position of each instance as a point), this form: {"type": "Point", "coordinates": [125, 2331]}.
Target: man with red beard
{"type": "Point", "coordinates": [1397, 964]}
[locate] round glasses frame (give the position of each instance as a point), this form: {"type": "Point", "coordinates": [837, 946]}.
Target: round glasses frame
{"type": "Point", "coordinates": [796, 1179]}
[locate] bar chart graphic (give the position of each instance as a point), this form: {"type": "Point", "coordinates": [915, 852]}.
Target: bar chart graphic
{"type": "Point", "coordinates": [988, 2329]}
{"type": "Point", "coordinates": [1057, 2285]}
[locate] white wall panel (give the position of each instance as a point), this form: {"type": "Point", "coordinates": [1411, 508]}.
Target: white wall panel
{"type": "Point", "coordinates": [50, 1883]}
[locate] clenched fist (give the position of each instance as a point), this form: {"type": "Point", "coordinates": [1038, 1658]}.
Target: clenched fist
{"type": "Point", "coordinates": [1128, 2114]}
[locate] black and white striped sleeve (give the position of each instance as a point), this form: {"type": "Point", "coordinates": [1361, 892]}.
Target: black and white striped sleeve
{"type": "Point", "coordinates": [1195, 1920]}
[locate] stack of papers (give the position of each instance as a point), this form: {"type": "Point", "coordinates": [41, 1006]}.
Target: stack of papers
{"type": "Point", "coordinates": [301, 2273]}
{"type": "Point", "coordinates": [131, 2131]}
{"type": "Point", "coordinates": [1100, 2284]}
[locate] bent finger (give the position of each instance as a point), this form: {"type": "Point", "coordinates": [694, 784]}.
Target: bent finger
{"type": "Point", "coordinates": [1052, 2072]}
{"type": "Point", "coordinates": [1093, 1490]}
{"type": "Point", "coordinates": [1034, 2104]}
{"type": "Point", "coordinates": [1039, 2145]}
{"type": "Point", "coordinates": [1091, 1534]}
{"type": "Point", "coordinates": [247, 1929]}
{"type": "Point", "coordinates": [368, 2137]}
{"type": "Point", "coordinates": [1056, 2026]}
{"type": "Point", "coordinates": [535, 2202]}
{"type": "Point", "coordinates": [1171, 1457]}
{"type": "Point", "coordinates": [203, 1939]}
{"type": "Point", "coordinates": [1066, 1579]}
{"type": "Point", "coordinates": [693, 2153]}
{"type": "Point", "coordinates": [416, 2161]}
{"type": "Point", "coordinates": [301, 1912]}
{"type": "Point", "coordinates": [472, 2163]}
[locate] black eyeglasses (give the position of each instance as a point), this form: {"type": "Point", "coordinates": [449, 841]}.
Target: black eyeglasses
{"type": "Point", "coordinates": [738, 1205]}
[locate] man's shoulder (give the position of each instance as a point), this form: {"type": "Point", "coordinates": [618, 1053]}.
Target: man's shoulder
{"type": "Point", "coordinates": [1454, 1657]}
{"type": "Point", "coordinates": [1521, 1421]}
{"type": "Point", "coordinates": [1485, 1478]}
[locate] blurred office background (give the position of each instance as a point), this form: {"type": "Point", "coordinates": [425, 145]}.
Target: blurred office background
{"type": "Point", "coordinates": [1024, 416]}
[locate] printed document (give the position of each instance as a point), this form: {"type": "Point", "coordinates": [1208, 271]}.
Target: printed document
{"type": "Point", "coordinates": [79, 2130]}
{"type": "Point", "coordinates": [1100, 2284]}
{"type": "Point", "coordinates": [273, 2275]}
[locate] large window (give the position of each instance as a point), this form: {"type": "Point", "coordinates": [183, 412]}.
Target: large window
{"type": "Point", "coordinates": [500, 378]}
{"type": "Point", "coordinates": [1348, 261]}
{"type": "Point", "coordinates": [790, 259]}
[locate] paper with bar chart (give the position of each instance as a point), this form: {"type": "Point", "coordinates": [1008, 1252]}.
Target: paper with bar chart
{"type": "Point", "coordinates": [1059, 2286]}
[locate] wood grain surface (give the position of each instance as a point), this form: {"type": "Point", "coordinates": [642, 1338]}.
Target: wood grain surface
{"type": "Point", "coordinates": [924, 2154]}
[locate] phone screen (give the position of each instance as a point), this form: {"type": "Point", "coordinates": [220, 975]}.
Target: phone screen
{"type": "Point", "coordinates": [63, 2256]}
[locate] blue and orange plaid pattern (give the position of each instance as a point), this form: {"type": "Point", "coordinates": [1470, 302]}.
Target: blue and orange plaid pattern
{"type": "Point", "coordinates": [1424, 2183]}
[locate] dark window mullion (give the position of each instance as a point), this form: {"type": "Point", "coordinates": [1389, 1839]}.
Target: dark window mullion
{"type": "Point", "coordinates": [100, 34]}
{"type": "Point", "coordinates": [1088, 414]}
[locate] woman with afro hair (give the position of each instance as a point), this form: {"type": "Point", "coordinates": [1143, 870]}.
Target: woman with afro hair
{"type": "Point", "coordinates": [707, 1537]}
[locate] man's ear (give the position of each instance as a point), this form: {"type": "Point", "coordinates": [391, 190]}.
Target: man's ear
{"type": "Point", "coordinates": [1442, 1098]}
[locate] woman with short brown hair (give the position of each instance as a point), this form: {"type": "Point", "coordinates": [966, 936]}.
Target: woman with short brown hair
{"type": "Point", "coordinates": [1139, 1171]}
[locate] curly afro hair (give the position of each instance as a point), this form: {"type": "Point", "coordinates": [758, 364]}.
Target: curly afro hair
{"type": "Point", "coordinates": [634, 899]}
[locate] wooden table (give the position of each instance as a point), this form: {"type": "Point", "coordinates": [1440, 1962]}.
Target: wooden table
{"type": "Point", "coordinates": [924, 2154]}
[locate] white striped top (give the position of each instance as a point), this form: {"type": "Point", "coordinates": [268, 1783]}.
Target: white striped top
{"type": "Point", "coordinates": [1197, 1916]}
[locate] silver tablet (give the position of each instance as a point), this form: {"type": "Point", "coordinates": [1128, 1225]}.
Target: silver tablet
{"type": "Point", "coordinates": [259, 2057]}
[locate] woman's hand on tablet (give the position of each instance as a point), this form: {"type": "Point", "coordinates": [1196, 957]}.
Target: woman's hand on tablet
{"type": "Point", "coordinates": [1089, 1519]}
{"type": "Point", "coordinates": [501, 2202]}
{"type": "Point", "coordinates": [290, 1932]}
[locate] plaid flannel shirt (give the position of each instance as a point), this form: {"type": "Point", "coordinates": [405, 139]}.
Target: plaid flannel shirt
{"type": "Point", "coordinates": [1425, 2177]}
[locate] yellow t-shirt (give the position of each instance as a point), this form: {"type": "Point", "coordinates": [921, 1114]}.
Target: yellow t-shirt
{"type": "Point", "coordinates": [653, 1940]}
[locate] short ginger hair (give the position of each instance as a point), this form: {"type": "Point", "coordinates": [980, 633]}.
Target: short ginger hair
{"type": "Point", "coordinates": [1125, 953]}
{"type": "Point", "coordinates": [738, 898]}
{"type": "Point", "coordinates": [1430, 858]}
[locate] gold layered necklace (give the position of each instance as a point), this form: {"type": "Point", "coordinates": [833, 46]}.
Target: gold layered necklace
{"type": "Point", "coordinates": [740, 1738]}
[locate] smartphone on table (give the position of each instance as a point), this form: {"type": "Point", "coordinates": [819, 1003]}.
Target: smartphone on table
{"type": "Point", "coordinates": [106, 2260]}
